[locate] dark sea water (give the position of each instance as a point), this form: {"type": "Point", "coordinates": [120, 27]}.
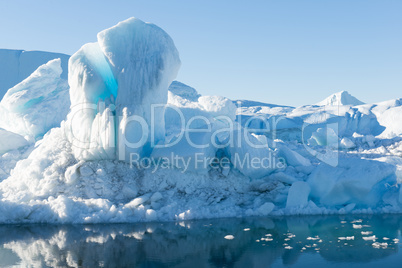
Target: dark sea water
{"type": "Point", "coordinates": [319, 241]}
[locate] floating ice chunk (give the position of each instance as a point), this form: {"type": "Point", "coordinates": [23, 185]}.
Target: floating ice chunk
{"type": "Point", "coordinates": [347, 238]}
{"type": "Point", "coordinates": [366, 233]}
{"type": "Point", "coordinates": [266, 239]}
{"type": "Point", "coordinates": [229, 237]}
{"type": "Point", "coordinates": [298, 195]}
{"type": "Point", "coordinates": [380, 245]}
{"type": "Point", "coordinates": [369, 238]}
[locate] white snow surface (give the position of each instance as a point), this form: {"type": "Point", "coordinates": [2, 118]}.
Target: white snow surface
{"type": "Point", "coordinates": [340, 98]}
{"type": "Point", "coordinates": [37, 104]}
{"type": "Point", "coordinates": [10, 141]}
{"type": "Point", "coordinates": [327, 159]}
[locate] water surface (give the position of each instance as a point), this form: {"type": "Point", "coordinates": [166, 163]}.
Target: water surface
{"type": "Point", "coordinates": [318, 241]}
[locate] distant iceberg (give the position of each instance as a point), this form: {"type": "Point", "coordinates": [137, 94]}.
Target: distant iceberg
{"type": "Point", "coordinates": [340, 98]}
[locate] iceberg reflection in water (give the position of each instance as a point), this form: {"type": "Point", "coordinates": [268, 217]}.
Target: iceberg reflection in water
{"type": "Point", "coordinates": [258, 242]}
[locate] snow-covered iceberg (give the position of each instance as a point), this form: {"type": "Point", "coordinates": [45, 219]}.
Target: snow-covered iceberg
{"type": "Point", "coordinates": [340, 98]}
{"type": "Point", "coordinates": [137, 147]}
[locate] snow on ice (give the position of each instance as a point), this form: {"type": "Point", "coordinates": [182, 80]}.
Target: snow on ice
{"type": "Point", "coordinates": [28, 109]}
{"type": "Point", "coordinates": [121, 142]}
{"type": "Point", "coordinates": [17, 65]}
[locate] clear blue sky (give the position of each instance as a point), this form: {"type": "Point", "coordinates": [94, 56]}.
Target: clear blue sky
{"type": "Point", "coordinates": [287, 52]}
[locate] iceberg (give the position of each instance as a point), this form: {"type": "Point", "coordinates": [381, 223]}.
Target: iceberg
{"type": "Point", "coordinates": [124, 142]}
{"type": "Point", "coordinates": [288, 123]}
{"type": "Point", "coordinates": [119, 88]}
{"type": "Point", "coordinates": [37, 104]}
{"type": "Point", "coordinates": [340, 98]}
{"type": "Point", "coordinates": [17, 65]}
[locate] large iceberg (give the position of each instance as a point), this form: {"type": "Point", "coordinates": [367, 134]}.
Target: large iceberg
{"type": "Point", "coordinates": [137, 147]}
